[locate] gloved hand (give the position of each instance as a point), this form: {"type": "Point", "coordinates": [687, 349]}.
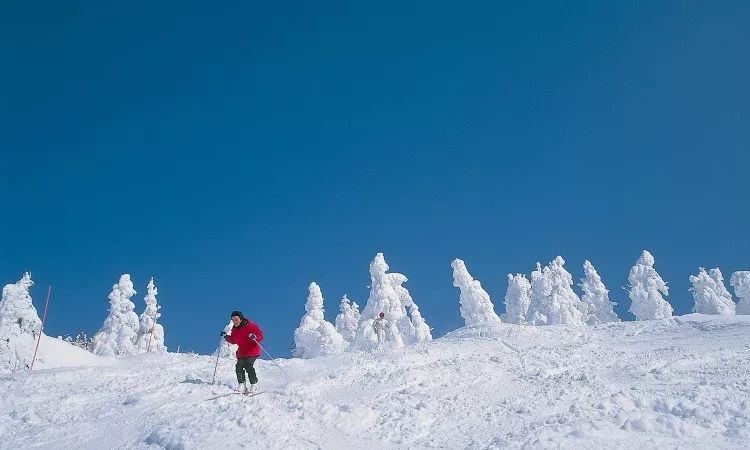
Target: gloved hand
{"type": "Point", "coordinates": [223, 334]}
{"type": "Point", "coordinates": [252, 336]}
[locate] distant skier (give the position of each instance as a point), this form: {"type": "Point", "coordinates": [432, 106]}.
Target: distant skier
{"type": "Point", "coordinates": [247, 335]}
{"type": "Point", "coordinates": [378, 326]}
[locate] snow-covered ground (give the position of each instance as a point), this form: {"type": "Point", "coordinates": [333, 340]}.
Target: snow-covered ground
{"type": "Point", "coordinates": [680, 382]}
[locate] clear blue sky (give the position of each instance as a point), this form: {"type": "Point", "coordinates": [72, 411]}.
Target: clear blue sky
{"type": "Point", "coordinates": [238, 151]}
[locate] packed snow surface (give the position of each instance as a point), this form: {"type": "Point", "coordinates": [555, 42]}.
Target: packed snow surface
{"type": "Point", "coordinates": [677, 382]}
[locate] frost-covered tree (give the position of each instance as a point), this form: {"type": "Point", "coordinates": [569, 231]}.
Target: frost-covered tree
{"type": "Point", "coordinates": [227, 350]}
{"type": "Point", "coordinates": [553, 300]}
{"type": "Point", "coordinates": [517, 299]}
{"type": "Point", "coordinates": [645, 290]}
{"type": "Point", "coordinates": [596, 297]}
{"type": "Point", "coordinates": [566, 306]}
{"type": "Point", "coordinates": [20, 325]}
{"type": "Point", "coordinates": [348, 319]}
{"type": "Point", "coordinates": [476, 305]}
{"type": "Point", "coordinates": [406, 325]}
{"type": "Point", "coordinates": [82, 340]}
{"type": "Point", "coordinates": [721, 289]}
{"type": "Point", "coordinates": [710, 294]}
{"type": "Point", "coordinates": [740, 282]}
{"type": "Point", "coordinates": [151, 333]}
{"type": "Point", "coordinates": [118, 334]}
{"type": "Point", "coordinates": [541, 289]}
{"type": "Point", "coordinates": [383, 296]}
{"type": "Point", "coordinates": [422, 331]}
{"type": "Point", "coordinates": [315, 336]}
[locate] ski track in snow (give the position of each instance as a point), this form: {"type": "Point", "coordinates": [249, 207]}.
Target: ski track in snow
{"type": "Point", "coordinates": [681, 382]}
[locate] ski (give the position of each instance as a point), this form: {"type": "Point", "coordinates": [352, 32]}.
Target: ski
{"type": "Point", "coordinates": [251, 394]}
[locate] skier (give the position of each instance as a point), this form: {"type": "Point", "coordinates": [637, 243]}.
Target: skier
{"type": "Point", "coordinates": [247, 335]}
{"type": "Point", "coordinates": [378, 326]}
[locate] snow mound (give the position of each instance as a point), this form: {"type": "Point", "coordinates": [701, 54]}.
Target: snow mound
{"type": "Point", "coordinates": [55, 353]}
{"type": "Point", "coordinates": [676, 382]}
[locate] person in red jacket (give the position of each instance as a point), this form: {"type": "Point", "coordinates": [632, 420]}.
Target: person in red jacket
{"type": "Point", "coordinates": [247, 335]}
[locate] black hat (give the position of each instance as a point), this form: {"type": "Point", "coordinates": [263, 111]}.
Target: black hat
{"type": "Point", "coordinates": [238, 314]}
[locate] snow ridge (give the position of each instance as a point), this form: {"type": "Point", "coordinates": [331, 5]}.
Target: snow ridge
{"type": "Point", "coordinates": [677, 382]}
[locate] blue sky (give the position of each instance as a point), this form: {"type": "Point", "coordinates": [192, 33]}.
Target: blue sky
{"type": "Point", "coordinates": [237, 152]}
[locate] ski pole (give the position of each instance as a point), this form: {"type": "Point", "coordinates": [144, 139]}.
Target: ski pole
{"type": "Point", "coordinates": [216, 366]}
{"type": "Point", "coordinates": [269, 355]}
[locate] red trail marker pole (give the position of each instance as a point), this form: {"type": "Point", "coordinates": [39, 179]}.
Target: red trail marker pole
{"type": "Point", "coordinates": [44, 319]}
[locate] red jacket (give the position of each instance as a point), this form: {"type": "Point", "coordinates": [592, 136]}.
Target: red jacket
{"type": "Point", "coordinates": [241, 337]}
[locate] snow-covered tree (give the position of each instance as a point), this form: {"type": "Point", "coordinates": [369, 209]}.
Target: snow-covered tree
{"type": "Point", "coordinates": [517, 299]}
{"type": "Point", "coordinates": [645, 290]}
{"type": "Point", "coordinates": [20, 325]}
{"type": "Point", "coordinates": [315, 336]}
{"type": "Point", "coordinates": [553, 301]}
{"type": "Point", "coordinates": [710, 294]}
{"type": "Point", "coordinates": [389, 296]}
{"type": "Point", "coordinates": [476, 305]}
{"type": "Point", "coordinates": [740, 282]}
{"type": "Point", "coordinates": [422, 331]}
{"type": "Point", "coordinates": [567, 307]}
{"type": "Point", "coordinates": [721, 289]}
{"type": "Point", "coordinates": [383, 297]}
{"type": "Point", "coordinates": [596, 297]}
{"type": "Point", "coordinates": [82, 340]}
{"type": "Point", "coordinates": [118, 334]}
{"type": "Point", "coordinates": [150, 333]}
{"type": "Point", "coordinates": [348, 319]}
{"type": "Point", "coordinates": [227, 350]}
{"type": "Point", "coordinates": [541, 289]}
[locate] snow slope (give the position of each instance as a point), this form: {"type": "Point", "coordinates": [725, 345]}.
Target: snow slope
{"type": "Point", "coordinates": [683, 381]}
